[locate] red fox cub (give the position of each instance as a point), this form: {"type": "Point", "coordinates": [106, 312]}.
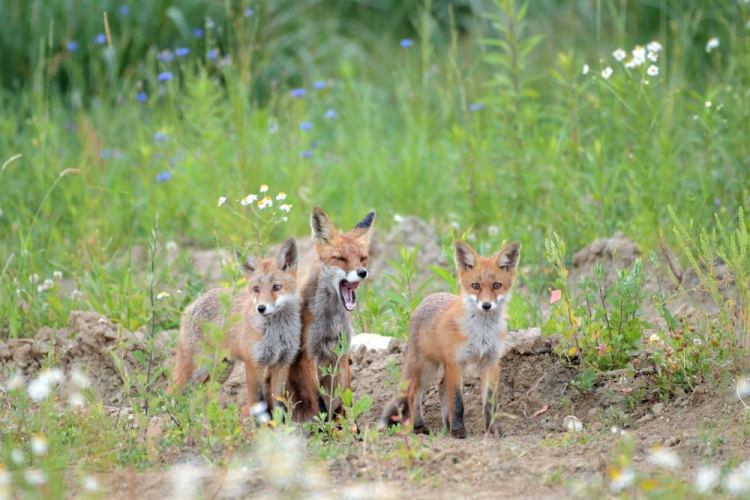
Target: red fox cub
{"type": "Point", "coordinates": [455, 333]}
{"type": "Point", "coordinates": [329, 294]}
{"type": "Point", "coordinates": [263, 326]}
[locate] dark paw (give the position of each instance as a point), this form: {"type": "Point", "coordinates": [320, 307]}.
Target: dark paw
{"type": "Point", "coordinates": [421, 429]}
{"type": "Point", "coordinates": [458, 433]}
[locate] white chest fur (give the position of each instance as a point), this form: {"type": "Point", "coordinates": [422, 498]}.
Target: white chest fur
{"type": "Point", "coordinates": [483, 335]}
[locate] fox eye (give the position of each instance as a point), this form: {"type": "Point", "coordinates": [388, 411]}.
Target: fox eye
{"type": "Point", "coordinates": [276, 288]}
{"type": "Point", "coordinates": [340, 258]}
{"type": "Point", "coordinates": [256, 289]}
{"type": "Point", "coordinates": [498, 286]}
{"type": "Point", "coordinates": [475, 286]}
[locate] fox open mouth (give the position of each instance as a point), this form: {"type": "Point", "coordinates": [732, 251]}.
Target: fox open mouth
{"type": "Point", "coordinates": [348, 294]}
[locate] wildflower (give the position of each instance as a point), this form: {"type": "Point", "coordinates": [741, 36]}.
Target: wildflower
{"type": "Point", "coordinates": [306, 153]}
{"type": "Point", "coordinates": [57, 275]}
{"type": "Point", "coordinates": [162, 295]}
{"type": "Point", "coordinates": [141, 97]}
{"type": "Point", "coordinates": [15, 382]}
{"type": "Point", "coordinates": [476, 107]}
{"type": "Point", "coordinates": [662, 457]}
{"type": "Point", "coordinates": [273, 127]}
{"type": "Point", "coordinates": [265, 203]}
{"type": "Point", "coordinates": [34, 278]}
{"type": "Point", "coordinates": [619, 54]}
{"type": "Point", "coordinates": [182, 51]}
{"type": "Point", "coordinates": [285, 207]}
{"type": "Point", "coordinates": [706, 479]}
{"type": "Point", "coordinates": [281, 196]}
{"type": "Point", "coordinates": [614, 429]}
{"type": "Point", "coordinates": [493, 231]}
{"type": "Point", "coordinates": [319, 85]}
{"type": "Point", "coordinates": [165, 76]}
{"type": "Point", "coordinates": [263, 188]}
{"type": "Point", "coordinates": [35, 477]}
{"type": "Point", "coordinates": [639, 52]}
{"type": "Point", "coordinates": [630, 64]}
{"type": "Point", "coordinates": [79, 379]}
{"type": "Point", "coordinates": [72, 46]}
{"type": "Point", "coordinates": [209, 23]}
{"type": "Point", "coordinates": [198, 32]}
{"type": "Point", "coordinates": [405, 43]}
{"type": "Point", "coordinates": [163, 176]}
{"type": "Point", "coordinates": [712, 44]}
{"type": "Point", "coordinates": [213, 54]}
{"type": "Point", "coordinates": [76, 295]}
{"type": "Point", "coordinates": [654, 46]}
{"type": "Point", "coordinates": [39, 445]}
{"type": "Point", "coordinates": [39, 388]}
{"type": "Point", "coordinates": [654, 338]}
{"type": "Point", "coordinates": [652, 56]}
{"type": "Point", "coordinates": [247, 200]}
{"type": "Point", "coordinates": [297, 92]}
{"type": "Point", "coordinates": [554, 296]}
{"type": "Point", "coordinates": [709, 104]}
{"type": "Point", "coordinates": [160, 136]}
{"type": "Point", "coordinates": [331, 114]}
{"type": "Point", "coordinates": [249, 12]}
{"type": "Point", "coordinates": [165, 56]}
{"type": "Point", "coordinates": [17, 456]}
{"type": "Point", "coordinates": [738, 480]}
{"type": "Point", "coordinates": [89, 483]}
{"type": "Point", "coordinates": [619, 479]}
{"type": "Point", "coordinates": [652, 70]}
{"type": "Point", "coordinates": [585, 70]}
{"type": "Point", "coordinates": [607, 73]}
{"type": "Point", "coordinates": [100, 39]}
{"type": "Point", "coordinates": [222, 199]}
{"type": "Point", "coordinates": [305, 126]}
{"type": "Point", "coordinates": [124, 10]}
{"type": "Point", "coordinates": [76, 400]}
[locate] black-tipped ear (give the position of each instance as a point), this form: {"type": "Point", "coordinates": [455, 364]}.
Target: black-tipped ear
{"type": "Point", "coordinates": [464, 255]}
{"type": "Point", "coordinates": [248, 265]}
{"type": "Point", "coordinates": [509, 256]}
{"type": "Point", "coordinates": [363, 227]}
{"type": "Point", "coordinates": [323, 231]}
{"type": "Point", "coordinates": [287, 256]}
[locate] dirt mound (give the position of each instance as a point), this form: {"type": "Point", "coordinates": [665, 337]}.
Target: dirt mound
{"type": "Point", "coordinates": [614, 253]}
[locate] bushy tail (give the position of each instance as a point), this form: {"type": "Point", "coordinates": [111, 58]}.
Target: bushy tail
{"type": "Point", "coordinates": [397, 410]}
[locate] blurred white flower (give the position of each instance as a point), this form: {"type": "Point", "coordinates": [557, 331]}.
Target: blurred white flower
{"type": "Point", "coordinates": [17, 456]}
{"type": "Point", "coordinates": [54, 375]}
{"type": "Point", "coordinates": [16, 381]}
{"type": "Point", "coordinates": [285, 208]}
{"type": "Point", "coordinates": [661, 457]}
{"type": "Point", "coordinates": [263, 188]}
{"type": "Point", "coordinates": [738, 480]}
{"type": "Point", "coordinates": [48, 284]}
{"type": "Point", "coordinates": [162, 295]}
{"type": "Point", "coordinates": [76, 400]}
{"type": "Point", "coordinates": [280, 455]}
{"type": "Point", "coordinates": [89, 483]}
{"type": "Point", "coordinates": [709, 104]}
{"type": "Point", "coordinates": [619, 54]}
{"type": "Point", "coordinates": [79, 378]}
{"type": "Point", "coordinates": [652, 56]}
{"type": "Point", "coordinates": [34, 278]}
{"type": "Point", "coordinates": [707, 478]}
{"type": "Point", "coordinates": [621, 478]}
{"type": "Point", "coordinates": [654, 46]}
{"type": "Point", "coordinates": [102, 320]}
{"type": "Point", "coordinates": [585, 70]}
{"type": "Point", "coordinates": [493, 231]}
{"type": "Point", "coordinates": [76, 295]}
{"type": "Point", "coordinates": [265, 202]}
{"type": "Point", "coordinates": [652, 70]}
{"type": "Point", "coordinates": [39, 445]}
{"type": "Point", "coordinates": [35, 477]}
{"type": "Point", "coordinates": [222, 199]}
{"type": "Point", "coordinates": [58, 275]}
{"type": "Point", "coordinates": [39, 388]}
{"type": "Point", "coordinates": [171, 246]}
{"type": "Point", "coordinates": [712, 44]}
{"type": "Point", "coordinates": [186, 480]}
{"type": "Point", "coordinates": [247, 200]}
{"type": "Point", "coordinates": [630, 64]}
{"type": "Point", "coordinates": [398, 218]}
{"type": "Point", "coordinates": [639, 52]}
{"type": "Point", "coordinates": [607, 73]}
{"type": "Point", "coordinates": [281, 196]}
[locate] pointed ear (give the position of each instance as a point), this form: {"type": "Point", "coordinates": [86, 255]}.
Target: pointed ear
{"type": "Point", "coordinates": [362, 229]}
{"type": "Point", "coordinates": [249, 265]}
{"type": "Point", "coordinates": [464, 255]}
{"type": "Point", "coordinates": [287, 257]}
{"type": "Point", "coordinates": [323, 231]}
{"type": "Point", "coordinates": [508, 257]}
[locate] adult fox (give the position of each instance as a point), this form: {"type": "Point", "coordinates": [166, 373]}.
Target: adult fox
{"type": "Point", "coordinates": [455, 332]}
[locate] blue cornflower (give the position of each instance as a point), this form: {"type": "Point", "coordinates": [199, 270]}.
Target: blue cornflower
{"type": "Point", "coordinates": [213, 54]}
{"type": "Point", "coordinates": [298, 92]}
{"type": "Point", "coordinates": [331, 114]}
{"type": "Point", "coordinates": [405, 43]}
{"type": "Point", "coordinates": [72, 46]}
{"type": "Point", "coordinates": [100, 39]}
{"type": "Point", "coordinates": [163, 77]}
{"type": "Point", "coordinates": [305, 126]}
{"type": "Point", "coordinates": [313, 144]}
{"type": "Point", "coordinates": [164, 176]}
{"type": "Point", "coordinates": [141, 97]}
{"type": "Point", "coordinates": [124, 10]}
{"type": "Point", "coordinates": [160, 136]}
{"type": "Point", "coordinates": [198, 32]}
{"type": "Point", "coordinates": [165, 56]}
{"type": "Point", "coordinates": [182, 51]}
{"type": "Point", "coordinates": [105, 153]}
{"type": "Point", "coordinates": [249, 12]}
{"type": "Point", "coordinates": [306, 153]}
{"type": "Point", "coordinates": [320, 84]}
{"type": "Point", "coordinates": [476, 107]}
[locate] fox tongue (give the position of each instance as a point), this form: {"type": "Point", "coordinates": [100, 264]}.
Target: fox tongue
{"type": "Point", "coordinates": [348, 295]}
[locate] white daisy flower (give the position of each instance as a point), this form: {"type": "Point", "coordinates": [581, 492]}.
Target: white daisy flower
{"type": "Point", "coordinates": [630, 64]}
{"type": "Point", "coordinates": [34, 278]}
{"type": "Point", "coordinates": [17, 456]}
{"type": "Point", "coordinates": [35, 477]}
{"type": "Point", "coordinates": [662, 457]}
{"type": "Point", "coordinates": [707, 478]}
{"type": "Point", "coordinates": [16, 381]}
{"type": "Point", "coordinates": [619, 54]}
{"type": "Point", "coordinates": [53, 375]}
{"type": "Point", "coordinates": [58, 275]}
{"type": "Point", "coordinates": [652, 70]}
{"type": "Point", "coordinates": [39, 445]}
{"type": "Point", "coordinates": [76, 400]}
{"type": "Point", "coordinates": [90, 483]}
{"type": "Point", "coordinates": [607, 73]}
{"type": "Point", "coordinates": [281, 196]}
{"type": "Point", "coordinates": [639, 52]}
{"type": "Point", "coordinates": [713, 43]}
{"type": "Point", "coordinates": [709, 104]}
{"type": "Point", "coordinates": [249, 199]}
{"type": "Point", "coordinates": [39, 388]}
{"type": "Point", "coordinates": [265, 203]}
{"type": "Point", "coordinates": [654, 46]}
{"type": "Point", "coordinates": [285, 207]}
{"type": "Point", "coordinates": [222, 199]}
{"type": "Point", "coordinates": [621, 479]}
{"type": "Point", "coordinates": [738, 480]}
{"type": "Point", "coordinates": [585, 69]}
{"type": "Point", "coordinates": [263, 188]}
{"type": "Point", "coordinates": [162, 295]}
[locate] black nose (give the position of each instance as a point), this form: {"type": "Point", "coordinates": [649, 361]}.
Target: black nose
{"type": "Point", "coordinates": [261, 308]}
{"type": "Point", "coordinates": [362, 272]}
{"type": "Point", "coordinates": [486, 306]}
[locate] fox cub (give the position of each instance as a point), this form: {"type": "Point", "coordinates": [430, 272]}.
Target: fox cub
{"type": "Point", "coordinates": [263, 326]}
{"type": "Point", "coordinates": [329, 294]}
{"type": "Point", "coordinates": [455, 333]}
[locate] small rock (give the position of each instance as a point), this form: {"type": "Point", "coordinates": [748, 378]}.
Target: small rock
{"type": "Point", "coordinates": [673, 441]}
{"type": "Point", "coordinates": [648, 417]}
{"type": "Point", "coordinates": [658, 409]}
{"type": "Point", "coordinates": [371, 341]}
{"type": "Point", "coordinates": [572, 424]}
{"type": "Point", "coordinates": [597, 426]}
